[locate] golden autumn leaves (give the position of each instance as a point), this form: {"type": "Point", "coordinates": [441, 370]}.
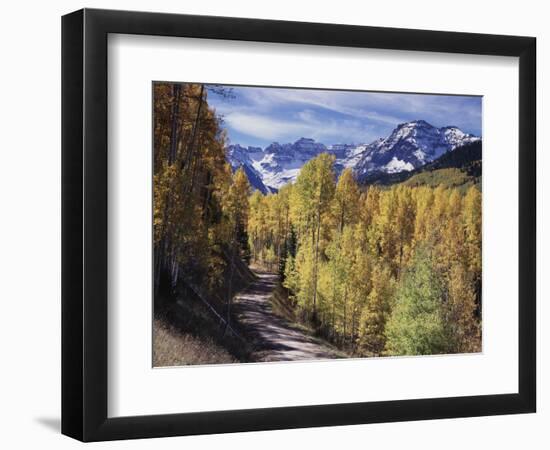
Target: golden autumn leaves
{"type": "Point", "coordinates": [379, 271]}
{"type": "Point", "coordinates": [393, 271]}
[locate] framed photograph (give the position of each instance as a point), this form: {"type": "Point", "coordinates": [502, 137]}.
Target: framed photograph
{"type": "Point", "coordinates": [273, 225]}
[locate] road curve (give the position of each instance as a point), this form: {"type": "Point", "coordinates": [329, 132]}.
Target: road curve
{"type": "Point", "coordinates": [274, 338]}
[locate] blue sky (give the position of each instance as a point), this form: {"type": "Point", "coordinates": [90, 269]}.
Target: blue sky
{"type": "Point", "coordinates": [259, 116]}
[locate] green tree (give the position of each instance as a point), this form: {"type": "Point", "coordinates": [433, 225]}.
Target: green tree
{"type": "Point", "coordinates": [417, 323]}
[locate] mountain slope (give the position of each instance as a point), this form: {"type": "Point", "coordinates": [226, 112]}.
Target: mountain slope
{"type": "Point", "coordinates": [409, 146]}
{"type": "Point", "coordinates": [239, 156]}
{"type": "Point", "coordinates": [462, 165]}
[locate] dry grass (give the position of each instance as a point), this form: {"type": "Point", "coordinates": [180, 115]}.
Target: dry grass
{"type": "Point", "coordinates": [175, 348]}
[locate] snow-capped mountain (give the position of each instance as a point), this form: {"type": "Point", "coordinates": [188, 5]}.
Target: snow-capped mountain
{"type": "Point", "coordinates": [277, 164]}
{"type": "Point", "coordinates": [410, 145]}
{"type": "Point", "coordinates": [239, 156]}
{"type": "Point", "coordinates": [347, 155]}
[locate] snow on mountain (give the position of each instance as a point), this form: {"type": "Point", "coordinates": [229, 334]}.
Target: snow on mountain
{"type": "Point", "coordinates": [397, 165]}
{"type": "Point", "coordinates": [277, 164]}
{"type": "Point", "coordinates": [239, 156]}
{"type": "Point", "coordinates": [282, 163]}
{"type": "Point", "coordinates": [410, 145]}
{"type": "Point", "coordinates": [456, 137]}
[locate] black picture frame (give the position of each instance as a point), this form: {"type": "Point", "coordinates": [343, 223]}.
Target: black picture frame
{"type": "Point", "coordinates": [84, 224]}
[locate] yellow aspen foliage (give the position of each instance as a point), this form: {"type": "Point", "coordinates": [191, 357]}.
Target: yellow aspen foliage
{"type": "Point", "coordinates": [372, 338]}
{"type": "Point", "coordinates": [472, 224]}
{"type": "Point", "coordinates": [464, 327]}
{"type": "Point", "coordinates": [343, 251]}
{"type": "Point", "coordinates": [378, 270]}
{"type": "Point", "coordinates": [345, 206]}
{"type": "Point", "coordinates": [424, 204]}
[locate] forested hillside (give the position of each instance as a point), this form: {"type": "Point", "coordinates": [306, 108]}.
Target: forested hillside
{"type": "Point", "coordinates": [200, 206]}
{"type": "Point", "coordinates": [200, 211]}
{"type": "Point", "coordinates": [380, 272]}
{"type": "Point", "coordinates": [460, 167]}
{"type": "Point", "coordinates": [392, 271]}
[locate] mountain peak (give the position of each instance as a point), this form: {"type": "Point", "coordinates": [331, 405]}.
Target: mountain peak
{"type": "Point", "coordinates": [418, 122]}
{"type": "Point", "coordinates": [410, 145]}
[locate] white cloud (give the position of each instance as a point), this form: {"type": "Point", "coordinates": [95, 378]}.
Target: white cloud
{"type": "Point", "coordinates": [349, 103]}
{"type": "Point", "coordinates": [338, 116]}
{"type": "Point", "coordinates": [382, 107]}
{"type": "Point", "coordinates": [262, 127]}
{"type": "Point", "coordinates": [271, 128]}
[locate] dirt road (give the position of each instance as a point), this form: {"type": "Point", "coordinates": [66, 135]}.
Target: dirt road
{"type": "Point", "coordinates": [274, 338]}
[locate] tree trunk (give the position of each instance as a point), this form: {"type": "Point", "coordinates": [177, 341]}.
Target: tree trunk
{"type": "Point", "coordinates": [345, 315]}
{"type": "Point", "coordinates": [333, 319]}
{"type": "Point", "coordinates": [195, 164]}
{"type": "Point", "coordinates": [186, 162]}
{"type": "Point", "coordinates": [176, 92]}
{"type": "Point", "coordinates": [315, 269]}
{"type": "Point", "coordinates": [230, 283]}
{"type": "Point", "coordinates": [156, 281]}
{"type": "Point", "coordinates": [174, 271]}
{"type": "Point", "coordinates": [207, 196]}
{"type": "Point", "coordinates": [352, 334]}
{"type": "Point", "coordinates": [342, 219]}
{"type": "Point", "coordinates": [161, 251]}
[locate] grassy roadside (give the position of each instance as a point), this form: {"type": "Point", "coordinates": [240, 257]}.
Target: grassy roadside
{"type": "Point", "coordinates": [173, 347]}
{"type": "Point", "coordinates": [186, 333]}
